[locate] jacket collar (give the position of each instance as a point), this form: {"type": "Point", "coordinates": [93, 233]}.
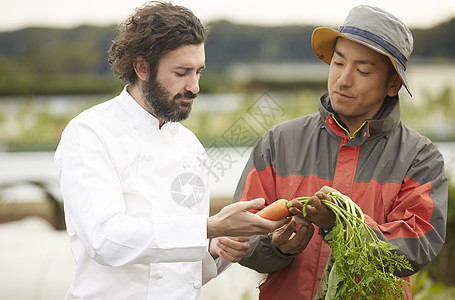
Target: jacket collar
{"type": "Point", "coordinates": [384, 122]}
{"type": "Point", "coordinates": [142, 118]}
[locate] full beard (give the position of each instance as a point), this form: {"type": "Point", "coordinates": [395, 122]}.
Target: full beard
{"type": "Point", "coordinates": [163, 105]}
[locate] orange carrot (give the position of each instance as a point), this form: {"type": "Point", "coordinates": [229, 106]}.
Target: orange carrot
{"type": "Point", "coordinates": [275, 211]}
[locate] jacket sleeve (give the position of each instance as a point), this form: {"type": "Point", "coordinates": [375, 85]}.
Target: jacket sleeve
{"type": "Point", "coordinates": [211, 268]}
{"type": "Point", "coordinates": [416, 222]}
{"type": "Point", "coordinates": [263, 257]}
{"type": "Point", "coordinates": [258, 180]}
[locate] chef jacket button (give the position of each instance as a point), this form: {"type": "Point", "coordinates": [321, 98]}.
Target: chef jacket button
{"type": "Point", "coordinates": [157, 275]}
{"type": "Point", "coordinates": [197, 284]}
{"type": "Point", "coordinates": [186, 164]}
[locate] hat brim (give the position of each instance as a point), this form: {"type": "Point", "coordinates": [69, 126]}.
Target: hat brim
{"type": "Point", "coordinates": [323, 43]}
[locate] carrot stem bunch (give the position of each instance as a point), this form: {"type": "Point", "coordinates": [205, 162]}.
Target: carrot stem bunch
{"type": "Point", "coordinates": [360, 265]}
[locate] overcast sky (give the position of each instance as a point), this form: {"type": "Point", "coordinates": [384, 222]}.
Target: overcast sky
{"type": "Point", "coordinates": [16, 14]}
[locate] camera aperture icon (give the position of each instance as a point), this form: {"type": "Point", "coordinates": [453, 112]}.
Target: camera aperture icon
{"type": "Point", "coordinates": [187, 189]}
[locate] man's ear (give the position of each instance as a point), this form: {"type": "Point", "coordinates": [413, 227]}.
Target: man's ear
{"type": "Point", "coordinates": [395, 84]}
{"type": "Point", "coordinates": [141, 67]}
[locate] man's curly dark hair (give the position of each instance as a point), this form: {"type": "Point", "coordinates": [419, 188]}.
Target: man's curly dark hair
{"type": "Point", "coordinates": [150, 32]}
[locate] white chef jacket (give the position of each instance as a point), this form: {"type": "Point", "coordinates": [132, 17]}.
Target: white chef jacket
{"type": "Point", "coordinates": [136, 205]}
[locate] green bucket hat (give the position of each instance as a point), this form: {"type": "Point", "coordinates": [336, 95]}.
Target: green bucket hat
{"type": "Point", "coordinates": [374, 28]}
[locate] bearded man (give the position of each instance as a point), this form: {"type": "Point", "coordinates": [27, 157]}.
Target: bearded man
{"type": "Point", "coordinates": [135, 181]}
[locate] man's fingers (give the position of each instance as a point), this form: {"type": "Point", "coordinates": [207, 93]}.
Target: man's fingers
{"type": "Point", "coordinates": [300, 233]}
{"type": "Point", "coordinates": [253, 204]}
{"type": "Point", "coordinates": [308, 234]}
{"type": "Point", "coordinates": [327, 189]}
{"type": "Point", "coordinates": [286, 230]}
{"type": "Point", "coordinates": [241, 238]}
{"type": "Point", "coordinates": [276, 224]}
{"type": "Point", "coordinates": [236, 243]}
{"type": "Point", "coordinates": [316, 202]}
{"type": "Point", "coordinates": [299, 241]}
{"type": "Point", "coordinates": [302, 238]}
{"type": "Point", "coordinates": [282, 234]}
{"type": "Point", "coordinates": [233, 249]}
{"type": "Point", "coordinates": [324, 196]}
{"type": "Point", "coordinates": [312, 207]}
{"type": "Point", "coordinates": [301, 220]}
{"type": "Point", "coordinates": [296, 204]}
{"type": "Point", "coordinates": [296, 207]}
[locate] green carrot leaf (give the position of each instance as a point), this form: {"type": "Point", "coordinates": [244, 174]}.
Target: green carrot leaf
{"type": "Point", "coordinates": [360, 265]}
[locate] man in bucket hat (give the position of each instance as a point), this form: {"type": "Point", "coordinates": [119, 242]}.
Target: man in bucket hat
{"type": "Point", "coordinates": [357, 145]}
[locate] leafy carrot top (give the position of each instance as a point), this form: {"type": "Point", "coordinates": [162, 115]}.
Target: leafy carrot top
{"type": "Point", "coordinates": [360, 265]}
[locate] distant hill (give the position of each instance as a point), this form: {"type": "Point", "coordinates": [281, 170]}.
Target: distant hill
{"type": "Point", "coordinates": [437, 42]}
{"type": "Point", "coordinates": [83, 49]}
{"type": "Point", "coordinates": [232, 43]}
{"type": "Point", "coordinates": [31, 54]}
{"type": "Point", "coordinates": [55, 51]}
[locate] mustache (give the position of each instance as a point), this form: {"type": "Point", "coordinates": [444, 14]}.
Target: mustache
{"type": "Point", "coordinates": [186, 94]}
{"type": "Point", "coordinates": [343, 91]}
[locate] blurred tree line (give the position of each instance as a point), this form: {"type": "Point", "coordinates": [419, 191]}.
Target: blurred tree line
{"type": "Point", "coordinates": [56, 60]}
